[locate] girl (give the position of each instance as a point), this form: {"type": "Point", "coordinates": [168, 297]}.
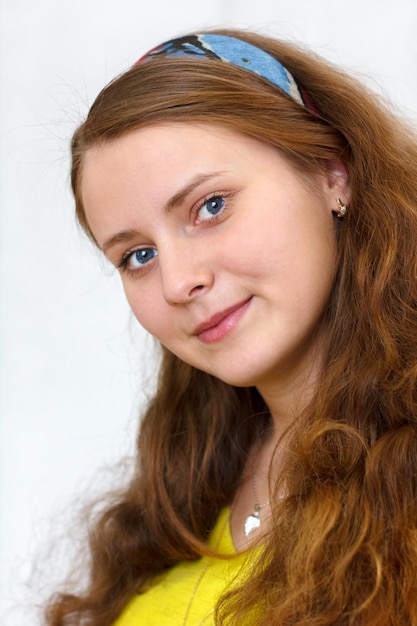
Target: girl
{"type": "Point", "coordinates": [260, 206]}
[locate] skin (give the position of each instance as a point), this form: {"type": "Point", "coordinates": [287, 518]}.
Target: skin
{"type": "Point", "coordinates": [227, 254]}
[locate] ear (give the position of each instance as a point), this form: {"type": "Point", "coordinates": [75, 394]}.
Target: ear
{"type": "Point", "coordinates": [336, 183]}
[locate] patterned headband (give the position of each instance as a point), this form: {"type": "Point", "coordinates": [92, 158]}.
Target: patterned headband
{"type": "Point", "coordinates": [236, 52]}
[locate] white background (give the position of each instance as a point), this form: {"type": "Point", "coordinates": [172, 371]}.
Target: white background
{"type": "Point", "coordinates": [74, 367]}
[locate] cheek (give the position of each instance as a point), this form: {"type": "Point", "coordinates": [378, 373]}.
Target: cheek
{"type": "Point", "coordinates": [147, 308]}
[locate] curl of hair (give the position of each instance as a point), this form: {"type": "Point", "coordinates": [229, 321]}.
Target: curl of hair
{"type": "Point", "coordinates": [343, 546]}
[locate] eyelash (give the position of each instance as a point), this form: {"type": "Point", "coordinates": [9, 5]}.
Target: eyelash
{"type": "Point", "coordinates": [122, 264]}
{"type": "Point", "coordinates": [213, 196]}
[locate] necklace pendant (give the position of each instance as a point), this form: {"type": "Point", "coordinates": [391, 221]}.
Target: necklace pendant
{"type": "Point", "coordinates": [252, 522]}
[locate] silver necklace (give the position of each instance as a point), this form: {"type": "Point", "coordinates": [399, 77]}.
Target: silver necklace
{"type": "Point", "coordinates": [253, 521]}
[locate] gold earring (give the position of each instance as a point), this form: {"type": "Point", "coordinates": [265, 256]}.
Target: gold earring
{"type": "Point", "coordinates": [341, 212]}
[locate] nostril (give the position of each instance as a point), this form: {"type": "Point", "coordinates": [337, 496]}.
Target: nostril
{"type": "Point", "coordinates": [196, 288]}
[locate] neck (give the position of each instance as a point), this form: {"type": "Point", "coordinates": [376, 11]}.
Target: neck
{"type": "Point", "coordinates": [287, 396]}
{"type": "Point", "coordinates": [289, 393]}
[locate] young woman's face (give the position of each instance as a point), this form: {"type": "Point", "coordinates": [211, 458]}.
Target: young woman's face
{"type": "Point", "coordinates": [227, 255]}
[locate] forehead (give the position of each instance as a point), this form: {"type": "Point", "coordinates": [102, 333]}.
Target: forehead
{"type": "Point", "coordinates": [156, 156]}
{"type": "Point", "coordinates": [159, 140]}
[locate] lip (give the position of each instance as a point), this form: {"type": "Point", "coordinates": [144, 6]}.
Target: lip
{"type": "Point", "coordinates": [222, 323]}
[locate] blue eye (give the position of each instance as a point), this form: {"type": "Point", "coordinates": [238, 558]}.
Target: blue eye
{"type": "Point", "coordinates": [211, 207]}
{"type": "Point", "coordinates": [141, 257]}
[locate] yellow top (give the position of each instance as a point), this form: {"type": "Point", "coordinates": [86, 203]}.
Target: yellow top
{"type": "Point", "coordinates": [187, 594]}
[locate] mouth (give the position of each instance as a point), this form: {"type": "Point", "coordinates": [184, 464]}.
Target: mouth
{"type": "Point", "coordinates": [222, 323]}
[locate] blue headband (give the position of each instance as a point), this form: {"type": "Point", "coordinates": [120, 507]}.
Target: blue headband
{"type": "Point", "coordinates": [236, 52]}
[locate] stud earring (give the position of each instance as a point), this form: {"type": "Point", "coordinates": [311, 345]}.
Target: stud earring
{"type": "Point", "coordinates": [341, 211]}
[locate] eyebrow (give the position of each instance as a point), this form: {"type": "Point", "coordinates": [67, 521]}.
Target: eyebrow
{"type": "Point", "coordinates": [122, 237]}
{"type": "Point", "coordinates": [179, 197]}
{"type": "Point", "coordinates": [195, 182]}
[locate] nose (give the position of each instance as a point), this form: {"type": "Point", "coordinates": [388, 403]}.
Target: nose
{"type": "Point", "coordinates": [185, 275]}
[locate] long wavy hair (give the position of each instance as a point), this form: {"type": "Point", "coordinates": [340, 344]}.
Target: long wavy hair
{"type": "Point", "coordinates": [342, 548]}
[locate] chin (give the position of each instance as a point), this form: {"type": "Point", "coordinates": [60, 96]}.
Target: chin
{"type": "Point", "coordinates": [243, 379]}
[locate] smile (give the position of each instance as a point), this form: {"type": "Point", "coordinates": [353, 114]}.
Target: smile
{"type": "Point", "coordinates": [222, 323]}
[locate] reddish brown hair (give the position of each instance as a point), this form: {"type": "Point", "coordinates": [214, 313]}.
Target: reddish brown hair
{"type": "Point", "coordinates": [343, 548]}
